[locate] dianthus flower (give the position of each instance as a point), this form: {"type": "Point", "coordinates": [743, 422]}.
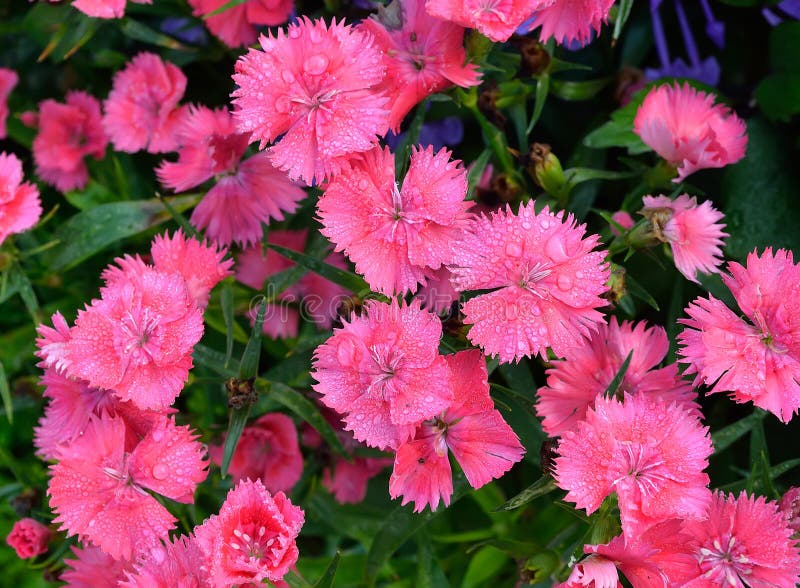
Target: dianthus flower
{"type": "Point", "coordinates": [347, 480]}
{"type": "Point", "coordinates": [94, 568]}
{"type": "Point", "coordinates": [252, 537]}
{"type": "Point", "coordinates": [318, 87]}
{"type": "Point", "coordinates": [756, 361]}
{"type": "Point", "coordinates": [652, 454]}
{"type": "Point", "coordinates": [396, 235]}
{"type": "Point", "coordinates": [688, 130]}
{"type": "Point", "coordinates": [8, 79]}
{"type": "Point", "coordinates": [20, 207]}
{"type": "Point", "coordinates": [268, 451]}
{"type": "Point", "coordinates": [574, 383]}
{"type": "Point", "coordinates": [68, 133]}
{"type": "Point", "coordinates": [235, 27]}
{"type": "Point", "coordinates": [141, 111]}
{"type": "Point", "coordinates": [790, 507]}
{"type": "Point", "coordinates": [471, 428]}
{"type": "Point", "coordinates": [247, 193]}
{"type": "Point", "coordinates": [497, 19]}
{"type": "Point", "coordinates": [383, 372]}
{"type": "Point", "coordinates": [104, 8]}
{"type": "Point", "coordinates": [175, 564]}
{"type": "Point", "coordinates": [29, 538]}
{"type": "Point", "coordinates": [692, 231]}
{"type": "Point", "coordinates": [437, 293]}
{"type": "Point", "coordinates": [99, 486]}
{"type": "Point", "coordinates": [743, 541]}
{"type": "Point", "coordinates": [547, 282]}
{"type": "Point", "coordinates": [569, 21]}
{"type": "Point", "coordinates": [422, 54]}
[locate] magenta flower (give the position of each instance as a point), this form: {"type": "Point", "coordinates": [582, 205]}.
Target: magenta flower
{"type": "Point", "coordinates": [347, 480]}
{"type": "Point", "coordinates": [759, 360]}
{"type": "Point", "coordinates": [395, 236]}
{"type": "Point", "coordinates": [688, 130]}
{"type": "Point", "coordinates": [236, 26]}
{"type": "Point", "coordinates": [93, 568]}
{"type": "Point", "coordinates": [104, 8]}
{"type": "Point", "coordinates": [318, 87]}
{"type": "Point", "coordinates": [496, 19]}
{"type": "Point", "coordinates": [570, 21]}
{"type": "Point", "coordinates": [383, 372]}
{"type": "Point", "coordinates": [29, 538]}
{"type": "Point", "coordinates": [546, 282]}
{"type": "Point", "coordinates": [8, 79]}
{"type": "Point", "coordinates": [174, 564]}
{"type": "Point", "coordinates": [252, 537]}
{"type": "Point", "coordinates": [20, 206]}
{"type": "Point", "coordinates": [790, 507]}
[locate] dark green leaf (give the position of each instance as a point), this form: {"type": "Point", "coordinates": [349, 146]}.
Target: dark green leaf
{"type": "Point", "coordinates": [637, 290]}
{"type": "Point", "coordinates": [784, 47]}
{"type": "Point", "coordinates": [236, 423]}
{"type": "Point", "coordinates": [140, 32]}
{"type": "Point", "coordinates": [226, 301]}
{"type": "Point", "coordinates": [578, 175]}
{"type": "Point", "coordinates": [429, 573]}
{"type": "Point", "coordinates": [476, 171]}
{"type": "Point", "coordinates": [485, 564]}
{"type": "Point", "coordinates": [623, 13]}
{"type": "Point", "coordinates": [540, 487]}
{"type": "Point", "coordinates": [614, 384]}
{"type": "Point", "coordinates": [227, 6]}
{"type": "Point", "coordinates": [618, 132]}
{"type": "Point", "coordinates": [5, 393]}
{"type": "Point", "coordinates": [215, 361]}
{"type": "Point", "coordinates": [182, 221]}
{"type": "Point", "coordinates": [726, 436]}
{"type": "Point", "coordinates": [578, 91]}
{"type": "Point", "coordinates": [778, 96]}
{"type": "Point", "coordinates": [326, 581]}
{"type": "Point", "coordinates": [542, 90]}
{"type": "Point", "coordinates": [346, 279]}
{"type": "Point", "coordinates": [19, 282]}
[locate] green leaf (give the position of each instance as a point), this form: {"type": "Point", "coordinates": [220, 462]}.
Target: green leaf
{"type": "Point", "coordinates": [343, 278]}
{"type": "Point", "coordinates": [618, 132]}
{"type": "Point", "coordinates": [726, 436]}
{"type": "Point", "coordinates": [5, 393]}
{"type": "Point", "coordinates": [784, 47]}
{"type": "Point", "coordinates": [476, 171]}
{"type": "Point", "coordinates": [215, 361]}
{"type": "Point", "coordinates": [778, 95]}
{"type": "Point", "coordinates": [182, 221]}
{"type": "Point", "coordinates": [486, 564]}
{"type": "Point", "coordinates": [236, 423]}
{"type": "Point", "coordinates": [542, 91]}
{"type": "Point", "coordinates": [326, 581]}
{"type": "Point", "coordinates": [625, 7]}
{"type": "Point", "coordinates": [19, 282]}
{"type": "Point", "coordinates": [93, 195]}
{"type": "Point", "coordinates": [429, 573]}
{"type": "Point", "coordinates": [227, 6]}
{"type": "Point", "coordinates": [614, 384]}
{"type": "Point", "coordinates": [578, 91]}
{"type": "Point", "coordinates": [540, 487]}
{"type": "Point", "coordinates": [637, 290]}
{"type": "Point", "coordinates": [786, 466]}
{"type": "Point", "coordinates": [226, 302]}
{"type": "Point", "coordinates": [140, 32]}
{"type": "Point", "coordinates": [578, 175]}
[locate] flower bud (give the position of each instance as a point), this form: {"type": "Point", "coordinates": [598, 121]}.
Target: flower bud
{"type": "Point", "coordinates": [547, 169]}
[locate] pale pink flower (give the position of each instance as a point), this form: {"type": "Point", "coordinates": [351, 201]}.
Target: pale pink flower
{"type": "Point", "coordinates": [569, 21]}
{"type": "Point", "coordinates": [383, 372]}
{"type": "Point", "coordinates": [141, 111]}
{"type": "Point", "coordinates": [595, 571]}
{"type": "Point", "coordinates": [422, 54]}
{"type": "Point", "coordinates": [317, 86]}
{"type": "Point", "coordinates": [688, 130]}
{"type": "Point", "coordinates": [652, 454]}
{"type": "Point", "coordinates": [693, 232]}
{"type": "Point", "coordinates": [347, 480]}
{"type": "Point", "coordinates": [29, 538]}
{"type": "Point", "coordinates": [94, 568]}
{"type": "Point", "coordinates": [235, 27]}
{"type": "Point", "coordinates": [497, 19]}
{"type": "Point", "coordinates": [744, 541]}
{"type": "Point", "coordinates": [252, 538]}
{"type": "Point", "coordinates": [246, 193]}
{"type": "Point", "coordinates": [8, 79]}
{"type": "Point", "coordinates": [99, 487]}
{"type": "Point", "coordinates": [790, 507]}
{"type": "Point", "coordinates": [471, 428]}
{"type": "Point", "coordinates": [68, 133]}
{"type": "Point", "coordinates": [104, 8]}
{"type": "Point", "coordinates": [174, 564]}
{"type": "Point", "coordinates": [20, 206]}
{"type": "Point", "coordinates": [547, 282]}
{"type": "Point", "coordinates": [395, 235]}
{"type": "Point", "coordinates": [574, 383]}
{"type": "Point", "coordinates": [759, 360]}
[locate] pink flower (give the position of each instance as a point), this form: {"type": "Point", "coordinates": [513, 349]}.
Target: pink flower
{"type": "Point", "coordinates": [176, 564]}
{"type": "Point", "coordinates": [394, 236]}
{"type": "Point", "coordinates": [67, 134]}
{"type": "Point", "coordinates": [497, 19]}
{"type": "Point", "coordinates": [268, 451]}
{"type": "Point", "coordinates": [29, 538]}
{"type": "Point", "coordinates": [595, 571]}
{"type": "Point", "coordinates": [547, 282]}
{"type": "Point", "coordinates": [199, 263]}
{"type": "Point", "coordinates": [246, 194]}
{"type": "Point", "coordinates": [693, 232]}
{"type": "Point", "coordinates": [141, 111]}
{"type": "Point", "coordinates": [235, 26]}
{"type": "Point", "coordinates": [316, 86]}
{"type": "Point", "coordinates": [422, 54]}
{"type": "Point", "coordinates": [99, 487]}
{"type": "Point", "coordinates": [574, 383]}
{"type": "Point", "coordinates": [8, 79]}
{"type": "Point", "coordinates": [383, 372]}
{"type": "Point", "coordinates": [623, 219]}
{"type": "Point", "coordinates": [438, 294]}
{"type": "Point", "coordinates": [94, 568]}
{"type": "Point", "coordinates": [252, 538]}
{"type": "Point", "coordinates": [744, 541]}
{"type": "Point", "coordinates": [790, 507]}
{"type": "Point", "coordinates": [104, 8]}
{"type": "Point", "coordinates": [20, 207]}
{"type": "Point", "coordinates": [481, 441]}
{"type": "Point", "coordinates": [756, 361]}
{"type": "Point", "coordinates": [652, 454]}
{"type": "Point", "coordinates": [568, 21]}
{"type": "Point", "coordinates": [347, 480]}
{"type": "Point", "coordinates": [687, 129]}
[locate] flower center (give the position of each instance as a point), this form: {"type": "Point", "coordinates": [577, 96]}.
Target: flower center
{"type": "Point", "coordinates": [725, 562]}
{"type": "Point", "coordinates": [531, 275]}
{"type": "Point", "coordinates": [254, 546]}
{"type": "Point", "coordinates": [643, 466]}
{"type": "Point", "coordinates": [386, 359]}
{"type": "Point", "coordinates": [138, 330]}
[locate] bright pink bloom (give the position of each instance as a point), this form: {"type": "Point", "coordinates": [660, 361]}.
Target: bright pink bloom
{"type": "Point", "coordinates": [687, 129]}
{"type": "Point", "coordinates": [268, 451]}
{"type": "Point", "coordinates": [175, 564]}
{"type": "Point", "coordinates": [422, 55]}
{"type": "Point", "coordinates": [8, 79]}
{"type": "Point", "coordinates": [104, 8]}
{"type": "Point", "coordinates": [744, 541]}
{"type": "Point", "coordinates": [652, 454]}
{"type": "Point", "coordinates": [29, 538]}
{"type": "Point", "coordinates": [438, 294]}
{"type": "Point", "coordinates": [395, 235]}
{"type": "Point", "coordinates": [568, 21]}
{"type": "Point", "coordinates": [693, 232]}
{"type": "Point", "coordinates": [756, 361]}
{"type": "Point", "coordinates": [199, 263]}
{"type": "Point", "coordinates": [574, 383]}
{"type": "Point", "coordinates": [471, 428]}
{"type": "Point", "coordinates": [235, 26]}
{"type": "Point", "coordinates": [547, 282]}
{"type": "Point", "coordinates": [94, 568]}
{"type": "Point", "coordinates": [99, 487]}
{"type": "Point", "coordinates": [67, 134]}
{"type": "Point", "coordinates": [790, 507]}
{"type": "Point", "coordinates": [20, 207]}
{"type": "Point", "coordinates": [141, 111]}
{"type": "Point", "coordinates": [252, 538]}
{"type": "Point", "coordinates": [595, 571]}
{"type": "Point", "coordinates": [347, 480]}
{"type": "Point", "coordinates": [497, 19]}
{"type": "Point", "coordinates": [623, 219]}
{"type": "Point", "coordinates": [383, 372]}
{"type": "Point", "coordinates": [316, 86]}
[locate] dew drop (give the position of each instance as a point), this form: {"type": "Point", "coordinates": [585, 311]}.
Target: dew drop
{"type": "Point", "coordinates": [564, 282]}
{"type": "Point", "coordinates": [316, 64]}
{"type": "Point", "coordinates": [160, 471]}
{"type": "Point", "coordinates": [282, 105]}
{"type": "Point", "coordinates": [513, 249]}
{"type": "Point", "coordinates": [157, 435]}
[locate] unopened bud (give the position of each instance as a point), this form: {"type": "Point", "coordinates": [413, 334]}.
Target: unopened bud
{"type": "Point", "coordinates": [535, 59]}
{"type": "Point", "coordinates": [540, 567]}
{"type": "Point", "coordinates": [547, 170]}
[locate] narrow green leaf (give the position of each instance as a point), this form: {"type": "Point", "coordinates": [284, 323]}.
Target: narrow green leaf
{"type": "Point", "coordinates": [182, 221]}
{"type": "Point", "coordinates": [540, 487]}
{"type": "Point", "coordinates": [614, 384]}
{"type": "Point", "coordinates": [227, 6]}
{"type": "Point", "coordinates": [429, 573]}
{"type": "Point", "coordinates": [726, 436]}
{"type": "Point", "coordinates": [5, 393]}
{"type": "Point", "coordinates": [783, 467]}
{"type": "Point", "coordinates": [346, 279]}
{"type": "Point", "coordinates": [580, 90]}
{"type": "Point", "coordinates": [476, 171]}
{"type": "Point", "coordinates": [19, 281]}
{"type": "Point", "coordinates": [326, 581]}
{"type": "Point", "coordinates": [625, 7]}
{"type": "Point", "coordinates": [140, 32]}
{"type": "Point", "coordinates": [226, 301]}
{"type": "Point", "coordinates": [542, 90]}
{"type": "Point", "coordinates": [578, 175]}
{"type": "Point", "coordinates": [638, 291]}
{"type": "Point", "coordinates": [214, 360]}
{"type": "Point", "coordinates": [484, 566]}
{"type": "Point", "coordinates": [236, 424]}
{"type": "Point", "coordinates": [276, 284]}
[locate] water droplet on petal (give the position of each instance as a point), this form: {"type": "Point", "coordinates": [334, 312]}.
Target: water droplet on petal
{"type": "Point", "coordinates": [564, 282]}
{"type": "Point", "coordinates": [157, 435]}
{"type": "Point", "coordinates": [282, 104]}
{"type": "Point", "coordinates": [316, 64]}
{"type": "Point", "coordinates": [160, 471]}
{"type": "Point", "coordinates": [513, 249]}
